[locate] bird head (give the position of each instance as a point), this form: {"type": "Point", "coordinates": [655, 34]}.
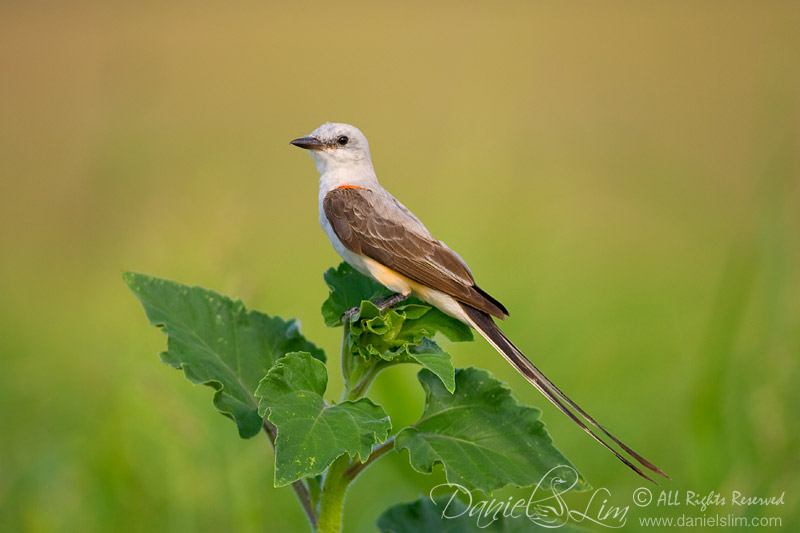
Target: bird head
{"type": "Point", "coordinates": [335, 145]}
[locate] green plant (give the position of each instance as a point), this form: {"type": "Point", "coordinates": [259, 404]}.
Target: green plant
{"type": "Point", "coordinates": [268, 378]}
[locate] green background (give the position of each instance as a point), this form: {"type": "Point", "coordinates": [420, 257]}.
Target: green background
{"type": "Point", "coordinates": [623, 177]}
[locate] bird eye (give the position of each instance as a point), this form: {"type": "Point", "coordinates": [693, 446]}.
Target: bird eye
{"type": "Point", "coordinates": [342, 140]}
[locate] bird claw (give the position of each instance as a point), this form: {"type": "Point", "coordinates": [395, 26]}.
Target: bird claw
{"type": "Point", "coordinates": [350, 314]}
{"type": "Point", "coordinates": [390, 301]}
{"type": "Point", "coordinates": [382, 304]}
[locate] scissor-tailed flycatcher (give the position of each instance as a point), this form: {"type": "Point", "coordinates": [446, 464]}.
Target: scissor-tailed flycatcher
{"type": "Point", "coordinates": [382, 239]}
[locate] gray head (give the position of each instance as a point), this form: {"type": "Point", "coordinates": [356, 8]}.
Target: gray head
{"type": "Point", "coordinates": [334, 144]}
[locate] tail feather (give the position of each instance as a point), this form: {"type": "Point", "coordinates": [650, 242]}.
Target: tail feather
{"type": "Point", "coordinates": [486, 326]}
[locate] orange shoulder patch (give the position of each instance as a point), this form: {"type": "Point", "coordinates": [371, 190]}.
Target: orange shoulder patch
{"type": "Point", "coordinates": [349, 187]}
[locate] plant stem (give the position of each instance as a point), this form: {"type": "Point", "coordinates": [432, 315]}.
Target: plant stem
{"type": "Point", "coordinates": [360, 389]}
{"type": "Point", "coordinates": [354, 370]}
{"type": "Point", "coordinates": [346, 357]}
{"type": "Point", "coordinates": [342, 471]}
{"type": "Point", "coordinates": [333, 493]}
{"type": "Point", "coordinates": [299, 487]}
{"type": "Point", "coordinates": [355, 469]}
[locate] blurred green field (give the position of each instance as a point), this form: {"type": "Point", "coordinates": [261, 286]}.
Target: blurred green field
{"type": "Point", "coordinates": [623, 177]}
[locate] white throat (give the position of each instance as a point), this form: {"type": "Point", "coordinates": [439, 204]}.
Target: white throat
{"type": "Point", "coordinates": [334, 174]}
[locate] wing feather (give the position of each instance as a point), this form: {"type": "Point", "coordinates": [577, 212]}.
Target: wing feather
{"type": "Point", "coordinates": [383, 229]}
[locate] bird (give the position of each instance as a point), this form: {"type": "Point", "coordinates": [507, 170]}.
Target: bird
{"type": "Point", "coordinates": [382, 239]}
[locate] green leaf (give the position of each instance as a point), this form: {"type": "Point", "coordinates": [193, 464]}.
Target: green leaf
{"type": "Point", "coordinates": [348, 289]}
{"type": "Point", "coordinates": [312, 434]}
{"type": "Point", "coordinates": [396, 327]}
{"type": "Point", "coordinates": [426, 516]}
{"type": "Point", "coordinates": [451, 515]}
{"type": "Point", "coordinates": [218, 342]}
{"type": "Point", "coordinates": [431, 356]}
{"type": "Point", "coordinates": [401, 334]}
{"type": "Point", "coordinates": [435, 321]}
{"type": "Point", "coordinates": [481, 435]}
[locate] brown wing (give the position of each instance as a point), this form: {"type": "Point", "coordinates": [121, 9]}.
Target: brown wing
{"type": "Point", "coordinates": [380, 227]}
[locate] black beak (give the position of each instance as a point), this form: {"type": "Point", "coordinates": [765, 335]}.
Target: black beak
{"type": "Point", "coordinates": [309, 143]}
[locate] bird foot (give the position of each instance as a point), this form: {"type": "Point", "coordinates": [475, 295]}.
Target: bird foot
{"type": "Point", "coordinates": [382, 304]}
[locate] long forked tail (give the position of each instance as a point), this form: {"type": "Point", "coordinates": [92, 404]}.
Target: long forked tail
{"type": "Point", "coordinates": [486, 326]}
